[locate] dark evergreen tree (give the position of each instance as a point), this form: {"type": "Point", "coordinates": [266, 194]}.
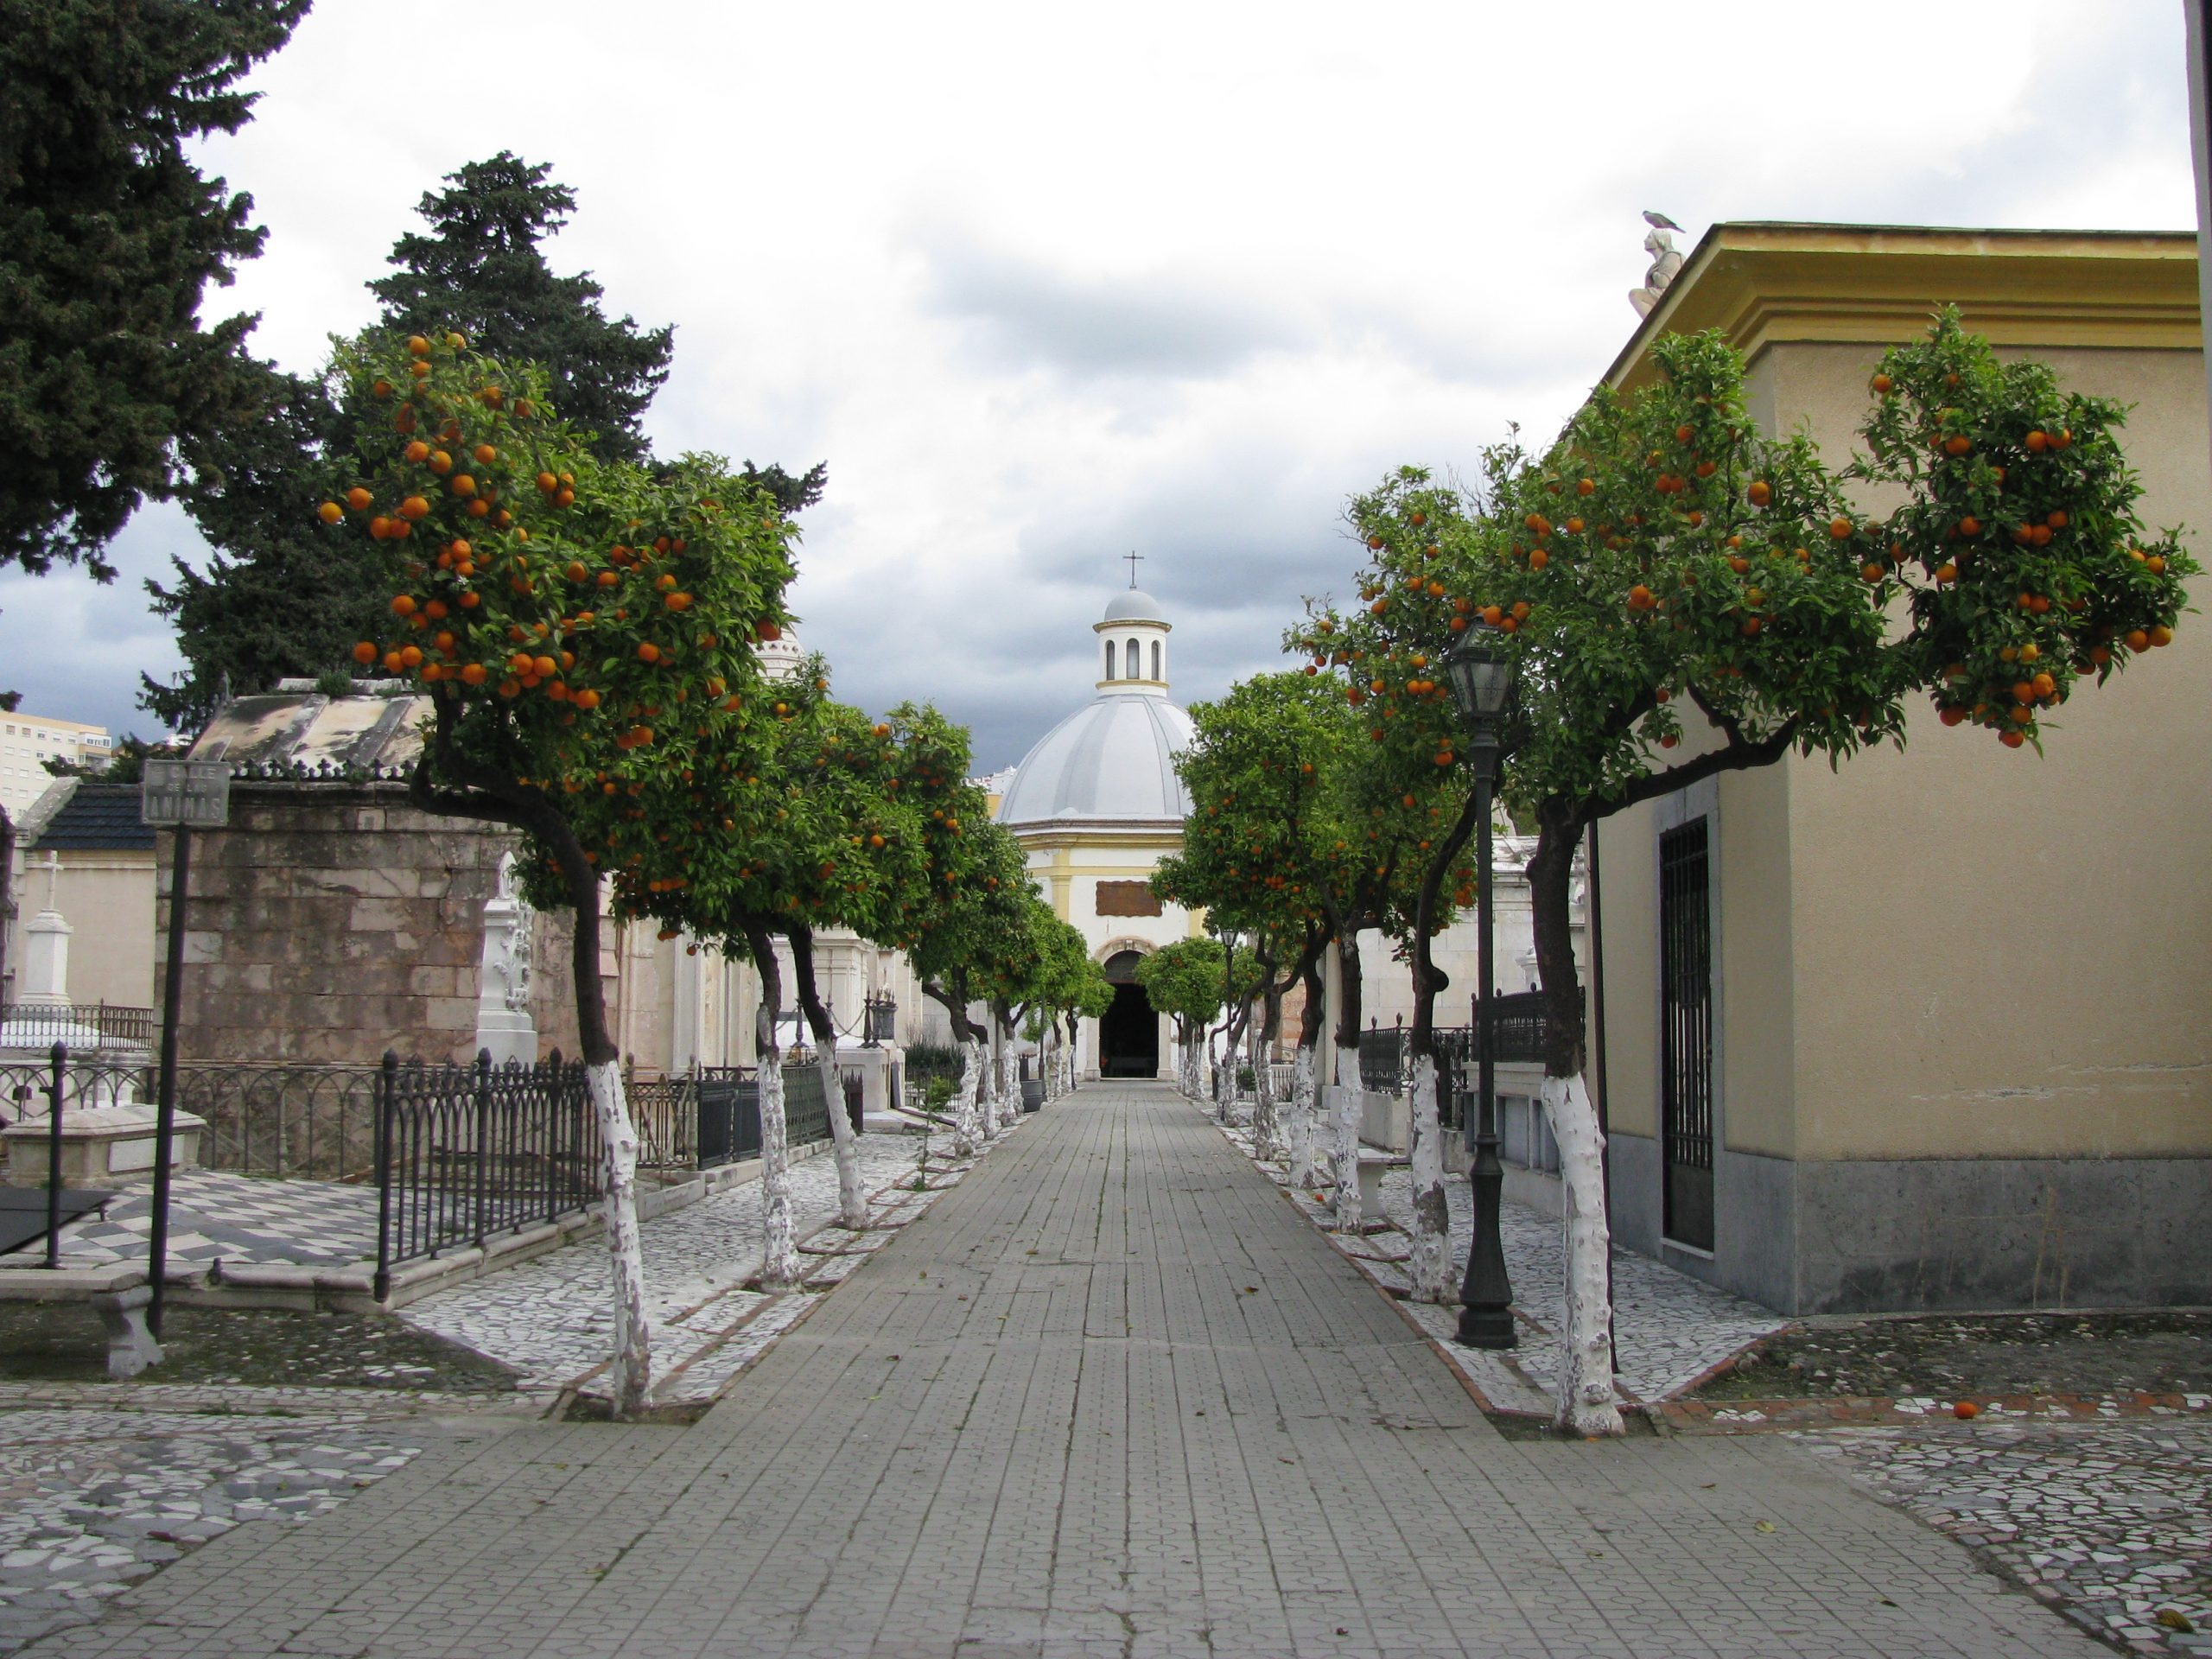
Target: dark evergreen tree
{"type": "Point", "coordinates": [281, 598]}
{"type": "Point", "coordinates": [792, 493]}
{"type": "Point", "coordinates": [479, 270]}
{"type": "Point", "coordinates": [111, 236]}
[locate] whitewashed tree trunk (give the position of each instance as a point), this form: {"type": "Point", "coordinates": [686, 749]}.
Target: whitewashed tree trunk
{"type": "Point", "coordinates": [1299, 1139]}
{"type": "Point", "coordinates": [1345, 1102]}
{"type": "Point", "coordinates": [986, 1103]}
{"type": "Point", "coordinates": [779, 1269]}
{"type": "Point", "coordinates": [1588, 1404]}
{"type": "Point", "coordinates": [1009, 1087]}
{"type": "Point", "coordinates": [1430, 1264]}
{"type": "Point", "coordinates": [852, 1202]}
{"type": "Point", "coordinates": [632, 1369]}
{"type": "Point", "coordinates": [1267, 1143]}
{"type": "Point", "coordinates": [965, 1144]}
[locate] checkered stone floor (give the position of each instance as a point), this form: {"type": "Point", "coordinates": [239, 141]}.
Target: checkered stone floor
{"type": "Point", "coordinates": [216, 1217]}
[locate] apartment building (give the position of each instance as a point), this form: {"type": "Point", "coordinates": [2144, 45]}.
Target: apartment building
{"type": "Point", "coordinates": [28, 741]}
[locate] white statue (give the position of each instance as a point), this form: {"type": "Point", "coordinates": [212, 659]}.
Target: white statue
{"type": "Point", "coordinates": [503, 1021]}
{"type": "Point", "coordinates": [1666, 260]}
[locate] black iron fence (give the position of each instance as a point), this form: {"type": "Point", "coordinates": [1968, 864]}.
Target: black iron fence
{"type": "Point", "coordinates": [42, 1025]}
{"type": "Point", "coordinates": [301, 1122]}
{"type": "Point", "coordinates": [458, 1153]}
{"type": "Point", "coordinates": [1517, 1038]}
{"type": "Point", "coordinates": [466, 1152]}
{"type": "Point", "coordinates": [1382, 1059]}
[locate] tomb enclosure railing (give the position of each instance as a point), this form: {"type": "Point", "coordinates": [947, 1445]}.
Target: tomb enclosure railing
{"type": "Point", "coordinates": [80, 1024]}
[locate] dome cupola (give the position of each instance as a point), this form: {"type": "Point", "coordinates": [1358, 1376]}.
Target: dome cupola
{"type": "Point", "coordinates": [1133, 645]}
{"type": "Point", "coordinates": [1112, 763]}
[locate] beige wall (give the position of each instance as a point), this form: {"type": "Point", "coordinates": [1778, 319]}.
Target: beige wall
{"type": "Point", "coordinates": [2002, 955]}
{"type": "Point", "coordinates": [108, 899]}
{"type": "Point", "coordinates": [1961, 950]}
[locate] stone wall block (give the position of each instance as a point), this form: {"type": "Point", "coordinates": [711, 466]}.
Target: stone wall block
{"type": "Point", "coordinates": [432, 983]}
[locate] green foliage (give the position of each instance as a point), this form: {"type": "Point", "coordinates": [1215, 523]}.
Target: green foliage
{"type": "Point", "coordinates": [279, 600]}
{"type": "Point", "coordinates": [930, 1059]}
{"type": "Point", "coordinates": [113, 237]}
{"type": "Point", "coordinates": [1184, 981]}
{"type": "Point", "coordinates": [1662, 552]}
{"type": "Point", "coordinates": [125, 763]}
{"type": "Point", "coordinates": [479, 270]}
{"type": "Point", "coordinates": [590, 647]}
{"type": "Point", "coordinates": [1299, 827]}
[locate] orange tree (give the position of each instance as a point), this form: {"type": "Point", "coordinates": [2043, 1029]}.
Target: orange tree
{"type": "Point", "coordinates": [1063, 983]}
{"type": "Point", "coordinates": [586, 634]}
{"type": "Point", "coordinates": [968, 918]}
{"type": "Point", "coordinates": [1662, 554]}
{"type": "Point", "coordinates": [1261, 855]}
{"type": "Point", "coordinates": [843, 835]}
{"type": "Point", "coordinates": [841, 852]}
{"type": "Point", "coordinates": [1037, 965]}
{"type": "Point", "coordinates": [1311, 798]}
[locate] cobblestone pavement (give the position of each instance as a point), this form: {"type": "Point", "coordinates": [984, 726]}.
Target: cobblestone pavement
{"type": "Point", "coordinates": [100, 1487]}
{"type": "Point", "coordinates": [2109, 1523]}
{"type": "Point", "coordinates": [1670, 1330]}
{"type": "Point", "coordinates": [1110, 1395]}
{"type": "Point", "coordinates": [551, 1318]}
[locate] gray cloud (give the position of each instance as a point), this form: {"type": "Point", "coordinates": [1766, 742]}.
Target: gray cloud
{"type": "Point", "coordinates": [1028, 315]}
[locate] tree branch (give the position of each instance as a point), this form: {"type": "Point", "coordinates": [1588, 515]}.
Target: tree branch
{"type": "Point", "coordinates": [1738, 756]}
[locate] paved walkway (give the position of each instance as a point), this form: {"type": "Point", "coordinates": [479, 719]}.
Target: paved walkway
{"type": "Point", "coordinates": [1111, 1395]}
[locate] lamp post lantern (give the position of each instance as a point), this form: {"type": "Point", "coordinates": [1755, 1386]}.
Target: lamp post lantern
{"type": "Point", "coordinates": [1480, 670]}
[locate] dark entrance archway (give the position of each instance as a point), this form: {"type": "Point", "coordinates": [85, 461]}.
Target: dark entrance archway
{"type": "Point", "coordinates": [1128, 1036]}
{"type": "Point", "coordinates": [1128, 1031]}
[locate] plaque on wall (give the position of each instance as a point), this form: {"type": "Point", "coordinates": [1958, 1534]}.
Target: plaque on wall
{"type": "Point", "coordinates": [1127, 899]}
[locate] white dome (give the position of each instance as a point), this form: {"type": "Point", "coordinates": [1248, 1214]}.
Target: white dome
{"type": "Point", "coordinates": [1133, 605]}
{"type": "Point", "coordinates": [1112, 761]}
{"type": "Point", "coordinates": [779, 659]}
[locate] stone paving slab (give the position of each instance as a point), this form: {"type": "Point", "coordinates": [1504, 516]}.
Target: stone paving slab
{"type": "Point", "coordinates": [1109, 1395]}
{"type": "Point", "coordinates": [101, 1487]}
{"type": "Point", "coordinates": [551, 1318]}
{"type": "Point", "coordinates": [1669, 1331]}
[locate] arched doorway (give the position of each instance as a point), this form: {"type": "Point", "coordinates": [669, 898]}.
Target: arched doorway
{"type": "Point", "coordinates": [1128, 1031]}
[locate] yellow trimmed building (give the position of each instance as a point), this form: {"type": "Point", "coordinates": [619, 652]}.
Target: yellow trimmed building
{"type": "Point", "coordinates": [1095, 805]}
{"type": "Point", "coordinates": [1929, 1030]}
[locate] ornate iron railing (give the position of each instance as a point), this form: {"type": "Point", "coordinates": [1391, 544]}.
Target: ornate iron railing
{"type": "Point", "coordinates": [466, 1152]}
{"type": "Point", "coordinates": [301, 1122]}
{"type": "Point", "coordinates": [42, 1025]}
{"type": "Point", "coordinates": [1382, 1059]}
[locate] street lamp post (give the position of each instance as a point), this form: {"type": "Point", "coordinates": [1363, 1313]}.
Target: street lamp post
{"type": "Point", "coordinates": [1480, 670]}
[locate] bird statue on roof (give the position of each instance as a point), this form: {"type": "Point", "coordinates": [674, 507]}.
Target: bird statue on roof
{"type": "Point", "coordinates": [1666, 260]}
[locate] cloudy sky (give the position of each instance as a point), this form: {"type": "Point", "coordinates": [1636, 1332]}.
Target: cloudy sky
{"type": "Point", "coordinates": [1048, 284]}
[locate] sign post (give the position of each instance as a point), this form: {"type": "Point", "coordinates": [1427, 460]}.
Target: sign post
{"type": "Point", "coordinates": [180, 793]}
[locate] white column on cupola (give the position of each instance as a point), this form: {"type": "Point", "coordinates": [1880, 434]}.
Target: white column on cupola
{"type": "Point", "coordinates": [1132, 645]}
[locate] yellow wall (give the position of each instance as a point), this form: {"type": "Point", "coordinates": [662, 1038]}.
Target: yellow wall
{"type": "Point", "coordinates": [2000, 955]}
{"type": "Point", "coordinates": [1959, 949]}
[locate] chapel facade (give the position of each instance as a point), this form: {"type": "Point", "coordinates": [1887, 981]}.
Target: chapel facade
{"type": "Point", "coordinates": [1096, 804]}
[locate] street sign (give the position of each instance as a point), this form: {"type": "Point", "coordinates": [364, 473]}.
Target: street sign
{"type": "Point", "coordinates": [193, 792]}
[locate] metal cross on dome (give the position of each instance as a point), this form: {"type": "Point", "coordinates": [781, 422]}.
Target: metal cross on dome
{"type": "Point", "coordinates": [1133, 558]}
